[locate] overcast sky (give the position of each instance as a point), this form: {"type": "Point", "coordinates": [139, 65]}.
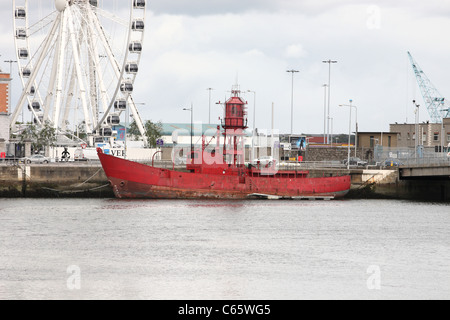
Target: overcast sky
{"type": "Point", "coordinates": [194, 45]}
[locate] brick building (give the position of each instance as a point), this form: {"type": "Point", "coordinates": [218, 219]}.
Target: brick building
{"type": "Point", "coordinates": [5, 104]}
{"type": "Point", "coordinates": [4, 92]}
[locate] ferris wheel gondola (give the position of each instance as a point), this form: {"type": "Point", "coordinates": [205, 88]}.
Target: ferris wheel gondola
{"type": "Point", "coordinates": [78, 61]}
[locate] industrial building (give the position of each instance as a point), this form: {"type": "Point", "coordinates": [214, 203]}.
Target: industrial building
{"type": "Point", "coordinates": [429, 134]}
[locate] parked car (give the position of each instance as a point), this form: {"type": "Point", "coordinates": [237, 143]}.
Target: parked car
{"type": "Point", "coordinates": [37, 158]}
{"type": "Point", "coordinates": [391, 162]}
{"type": "Point", "coordinates": [356, 162]}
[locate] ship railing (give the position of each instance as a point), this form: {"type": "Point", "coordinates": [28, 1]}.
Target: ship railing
{"type": "Point", "coordinates": [164, 164]}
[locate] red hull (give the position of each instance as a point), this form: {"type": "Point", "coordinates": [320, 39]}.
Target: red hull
{"type": "Point", "coordinates": [134, 180]}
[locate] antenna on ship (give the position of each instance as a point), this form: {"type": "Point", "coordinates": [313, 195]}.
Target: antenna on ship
{"type": "Point", "coordinates": [236, 88]}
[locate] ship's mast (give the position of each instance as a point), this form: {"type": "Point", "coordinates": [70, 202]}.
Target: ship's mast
{"type": "Point", "coordinates": [234, 125]}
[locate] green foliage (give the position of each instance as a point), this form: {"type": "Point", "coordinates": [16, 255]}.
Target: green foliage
{"type": "Point", "coordinates": [134, 131]}
{"type": "Point", "coordinates": [81, 131]}
{"type": "Point", "coordinates": [39, 137]}
{"type": "Point", "coordinates": [153, 131]}
{"type": "Point", "coordinates": [47, 135]}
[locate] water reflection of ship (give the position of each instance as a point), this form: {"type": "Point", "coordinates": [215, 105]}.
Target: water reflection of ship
{"type": "Point", "coordinates": [220, 172]}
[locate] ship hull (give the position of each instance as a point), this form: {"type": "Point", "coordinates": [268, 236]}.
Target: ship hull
{"type": "Point", "coordinates": [134, 180]}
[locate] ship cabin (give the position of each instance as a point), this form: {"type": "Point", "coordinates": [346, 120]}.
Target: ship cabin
{"type": "Point", "coordinates": [227, 157]}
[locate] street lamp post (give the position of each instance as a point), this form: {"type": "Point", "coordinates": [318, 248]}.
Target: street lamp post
{"type": "Point", "coordinates": [356, 131]}
{"type": "Point", "coordinates": [254, 122]}
{"type": "Point", "coordinates": [209, 113]}
{"type": "Point", "coordinates": [329, 93]}
{"type": "Point", "coordinates": [356, 124]}
{"type": "Point", "coordinates": [416, 142]}
{"type": "Point", "coordinates": [191, 109]}
{"type": "Point", "coordinates": [292, 100]}
{"type": "Point", "coordinates": [325, 114]}
{"type": "Point", "coordinates": [349, 129]}
{"type": "Point", "coordinates": [254, 108]}
{"type": "Point", "coordinates": [331, 135]}
{"type": "Point", "coordinates": [443, 132]}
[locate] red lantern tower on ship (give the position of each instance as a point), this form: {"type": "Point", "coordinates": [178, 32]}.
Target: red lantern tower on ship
{"type": "Point", "coordinates": [234, 126]}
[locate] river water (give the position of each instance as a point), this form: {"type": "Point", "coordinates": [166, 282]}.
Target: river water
{"type": "Point", "coordinates": [115, 249]}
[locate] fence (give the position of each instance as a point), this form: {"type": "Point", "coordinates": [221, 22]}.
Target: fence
{"type": "Point", "coordinates": [412, 156]}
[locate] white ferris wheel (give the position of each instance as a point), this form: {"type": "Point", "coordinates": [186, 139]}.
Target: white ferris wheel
{"type": "Point", "coordinates": [78, 61]}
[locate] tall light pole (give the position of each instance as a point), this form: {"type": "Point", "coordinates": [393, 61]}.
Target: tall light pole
{"type": "Point", "coordinates": [254, 108]}
{"type": "Point", "coordinates": [356, 123]}
{"type": "Point", "coordinates": [209, 114]}
{"type": "Point", "coordinates": [325, 114]}
{"type": "Point", "coordinates": [356, 128]}
{"type": "Point", "coordinates": [349, 130]}
{"type": "Point", "coordinates": [416, 142]}
{"type": "Point", "coordinates": [331, 135]}
{"type": "Point", "coordinates": [292, 100]}
{"type": "Point", "coordinates": [254, 122]}
{"type": "Point", "coordinates": [191, 109]}
{"type": "Point", "coordinates": [10, 64]}
{"type": "Point", "coordinates": [329, 93]}
{"type": "Point", "coordinates": [442, 131]}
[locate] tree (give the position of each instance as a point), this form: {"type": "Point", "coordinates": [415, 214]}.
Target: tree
{"type": "Point", "coordinates": [153, 131]}
{"type": "Point", "coordinates": [39, 137]}
{"type": "Point", "coordinates": [134, 131]}
{"type": "Point", "coordinates": [47, 135]}
{"type": "Point", "coordinates": [30, 133]}
{"type": "Point", "coordinates": [81, 131]}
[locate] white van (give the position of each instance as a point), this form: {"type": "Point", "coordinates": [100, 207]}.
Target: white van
{"type": "Point", "coordinates": [88, 154]}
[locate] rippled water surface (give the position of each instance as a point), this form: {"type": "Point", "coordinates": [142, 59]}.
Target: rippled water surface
{"type": "Point", "coordinates": [116, 249]}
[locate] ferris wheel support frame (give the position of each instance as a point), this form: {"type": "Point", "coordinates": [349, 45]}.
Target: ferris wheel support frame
{"type": "Point", "coordinates": [98, 68]}
{"type": "Point", "coordinates": [30, 82]}
{"type": "Point", "coordinates": [59, 79]}
{"type": "Point", "coordinates": [81, 85]}
{"type": "Point", "coordinates": [61, 44]}
{"type": "Point", "coordinates": [120, 74]}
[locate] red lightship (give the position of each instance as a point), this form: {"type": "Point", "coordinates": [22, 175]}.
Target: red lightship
{"type": "Point", "coordinates": [220, 173]}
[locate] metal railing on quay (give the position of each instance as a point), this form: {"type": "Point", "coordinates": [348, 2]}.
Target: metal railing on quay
{"type": "Point", "coordinates": [308, 165]}
{"type": "Point", "coordinates": [426, 162]}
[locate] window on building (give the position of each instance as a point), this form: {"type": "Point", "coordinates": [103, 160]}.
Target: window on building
{"type": "Point", "coordinates": [424, 137]}
{"type": "Point", "coordinates": [389, 141]}
{"type": "Point", "coordinates": [448, 136]}
{"type": "Point", "coordinates": [409, 136]}
{"type": "Point", "coordinates": [372, 141]}
{"type": "Point", "coordinates": [436, 136]}
{"type": "Point", "coordinates": [414, 136]}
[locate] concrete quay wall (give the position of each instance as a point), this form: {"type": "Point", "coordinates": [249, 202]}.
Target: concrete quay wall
{"type": "Point", "coordinates": [53, 180]}
{"type": "Point", "coordinates": [89, 180]}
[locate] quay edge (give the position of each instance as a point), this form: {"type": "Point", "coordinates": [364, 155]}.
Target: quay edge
{"type": "Point", "coordinates": [89, 181]}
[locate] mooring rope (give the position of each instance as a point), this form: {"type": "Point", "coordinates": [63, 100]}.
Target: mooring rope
{"type": "Point", "coordinates": [77, 191]}
{"type": "Point", "coordinates": [77, 186]}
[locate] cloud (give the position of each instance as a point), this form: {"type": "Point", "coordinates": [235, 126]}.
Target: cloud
{"type": "Point", "coordinates": [295, 51]}
{"type": "Point", "coordinates": [193, 45]}
{"type": "Point", "coordinates": [211, 7]}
